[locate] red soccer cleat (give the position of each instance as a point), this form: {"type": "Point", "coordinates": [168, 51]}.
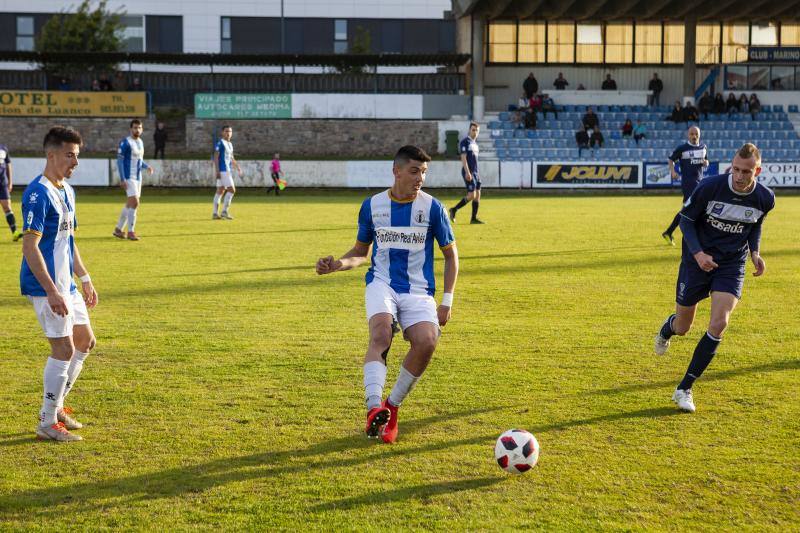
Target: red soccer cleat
{"type": "Point", "coordinates": [132, 236]}
{"type": "Point", "coordinates": [389, 431]}
{"type": "Point", "coordinates": [376, 419]}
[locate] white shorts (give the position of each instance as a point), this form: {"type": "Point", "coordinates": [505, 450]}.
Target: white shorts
{"type": "Point", "coordinates": [407, 309]}
{"type": "Point", "coordinates": [225, 179]}
{"type": "Point", "coordinates": [133, 188]}
{"type": "Point", "coordinates": [55, 326]}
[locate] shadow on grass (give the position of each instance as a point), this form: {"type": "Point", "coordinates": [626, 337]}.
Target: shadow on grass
{"type": "Point", "coordinates": [788, 364]}
{"type": "Point", "coordinates": [87, 496]}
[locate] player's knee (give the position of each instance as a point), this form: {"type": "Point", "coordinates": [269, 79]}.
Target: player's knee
{"type": "Point", "coordinates": [717, 326]}
{"type": "Point", "coordinates": [87, 345]}
{"type": "Point", "coordinates": [381, 338]}
{"type": "Point", "coordinates": [425, 344]}
{"type": "Point", "coordinates": [63, 351]}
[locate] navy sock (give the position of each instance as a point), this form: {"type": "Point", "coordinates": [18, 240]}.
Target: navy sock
{"type": "Point", "coordinates": [666, 329]}
{"type": "Point", "coordinates": [461, 203]}
{"type": "Point", "coordinates": [12, 222]}
{"type": "Point", "coordinates": [675, 222]}
{"type": "Point", "coordinates": [703, 355]}
{"type": "Point", "coordinates": [475, 205]}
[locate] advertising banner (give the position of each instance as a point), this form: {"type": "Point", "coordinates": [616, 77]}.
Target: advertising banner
{"type": "Point", "coordinates": [777, 175]}
{"type": "Point", "coordinates": [656, 175]}
{"type": "Point", "coordinates": [93, 172]}
{"type": "Point", "coordinates": [72, 104]}
{"type": "Point", "coordinates": [589, 175]}
{"type": "Point", "coordinates": [242, 106]}
{"type": "Point", "coordinates": [773, 54]}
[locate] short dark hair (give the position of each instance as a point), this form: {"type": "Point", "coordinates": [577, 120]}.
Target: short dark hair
{"type": "Point", "coordinates": [58, 135]}
{"type": "Point", "coordinates": [410, 152]}
{"type": "Point", "coordinates": [749, 150]}
{"type": "Point", "coordinates": [226, 127]}
{"type": "Point", "coordinates": [135, 121]}
{"type": "Point", "coordinates": [474, 124]}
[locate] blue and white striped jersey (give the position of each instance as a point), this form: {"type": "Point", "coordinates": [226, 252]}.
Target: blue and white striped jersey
{"type": "Point", "coordinates": [49, 211]}
{"type": "Point", "coordinates": [130, 158]}
{"type": "Point", "coordinates": [225, 149]}
{"type": "Point", "coordinates": [402, 234]}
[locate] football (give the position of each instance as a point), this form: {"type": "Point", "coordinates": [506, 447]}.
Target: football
{"type": "Point", "coordinates": [516, 451]}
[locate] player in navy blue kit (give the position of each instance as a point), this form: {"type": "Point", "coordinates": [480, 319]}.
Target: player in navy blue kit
{"type": "Point", "coordinates": [692, 156]}
{"type": "Point", "coordinates": [6, 186]}
{"type": "Point", "coordinates": [721, 223]}
{"type": "Point", "coordinates": [469, 161]}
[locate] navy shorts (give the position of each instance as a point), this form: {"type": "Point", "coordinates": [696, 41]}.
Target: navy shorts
{"type": "Point", "coordinates": [694, 284]}
{"type": "Point", "coordinates": [4, 189]}
{"type": "Point", "coordinates": [471, 185]}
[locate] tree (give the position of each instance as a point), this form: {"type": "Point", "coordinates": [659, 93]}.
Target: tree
{"type": "Point", "coordinates": [362, 44]}
{"type": "Point", "coordinates": [86, 30]}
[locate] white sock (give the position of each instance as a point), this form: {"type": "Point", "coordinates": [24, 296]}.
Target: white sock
{"type": "Point", "coordinates": [75, 367]}
{"type": "Point", "coordinates": [55, 379]}
{"type": "Point", "coordinates": [217, 198]}
{"type": "Point", "coordinates": [374, 379]}
{"type": "Point", "coordinates": [226, 201]}
{"type": "Point", "coordinates": [131, 218]}
{"type": "Point", "coordinates": [405, 382]}
{"type": "Point", "coordinates": [122, 218]}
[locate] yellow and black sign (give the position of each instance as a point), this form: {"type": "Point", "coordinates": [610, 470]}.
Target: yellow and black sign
{"type": "Point", "coordinates": [72, 104]}
{"type": "Point", "coordinates": [574, 175]}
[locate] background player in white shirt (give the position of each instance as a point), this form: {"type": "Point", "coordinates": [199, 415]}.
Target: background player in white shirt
{"type": "Point", "coordinates": [130, 162]}
{"type": "Point", "coordinates": [50, 258]}
{"type": "Point", "coordinates": [224, 163]}
{"type": "Point", "coordinates": [400, 225]}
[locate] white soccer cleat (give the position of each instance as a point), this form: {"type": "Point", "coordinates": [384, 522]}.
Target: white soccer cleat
{"type": "Point", "coordinates": [684, 400]}
{"type": "Point", "coordinates": [216, 217]}
{"type": "Point", "coordinates": [65, 417]}
{"type": "Point", "coordinates": [661, 344]}
{"type": "Point", "coordinates": [56, 432]}
{"type": "Point", "coordinates": [226, 216]}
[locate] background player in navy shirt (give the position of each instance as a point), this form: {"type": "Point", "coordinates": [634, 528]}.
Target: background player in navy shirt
{"type": "Point", "coordinates": [6, 186]}
{"type": "Point", "coordinates": [692, 157]}
{"type": "Point", "coordinates": [721, 222]}
{"type": "Point", "coordinates": [472, 181]}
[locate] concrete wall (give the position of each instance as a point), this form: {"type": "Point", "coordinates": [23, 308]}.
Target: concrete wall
{"type": "Point", "coordinates": [99, 134]}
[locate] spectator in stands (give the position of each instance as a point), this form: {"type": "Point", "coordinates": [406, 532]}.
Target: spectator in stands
{"type": "Point", "coordinates": [561, 82]}
{"type": "Point", "coordinates": [690, 112]}
{"type": "Point", "coordinates": [755, 105]}
{"type": "Point", "coordinates": [120, 83]}
{"type": "Point", "coordinates": [523, 102]}
{"type": "Point", "coordinates": [160, 140]}
{"type": "Point", "coordinates": [105, 83]}
{"type": "Point", "coordinates": [580, 87]}
{"type": "Point", "coordinates": [582, 139]}
{"type": "Point", "coordinates": [706, 104]}
{"type": "Point", "coordinates": [529, 119]}
{"type": "Point", "coordinates": [64, 84]}
{"type": "Point", "coordinates": [609, 84]}
{"type": "Point", "coordinates": [136, 85]}
{"type": "Point", "coordinates": [639, 132]}
{"type": "Point", "coordinates": [777, 84]}
{"type": "Point", "coordinates": [590, 120]}
{"type": "Point", "coordinates": [530, 86]}
{"type": "Point", "coordinates": [548, 105]}
{"type": "Point", "coordinates": [595, 138]}
{"type": "Point", "coordinates": [627, 128]}
{"type": "Point", "coordinates": [96, 85]}
{"type": "Point", "coordinates": [731, 104]}
{"type": "Point", "coordinates": [744, 103]}
{"type": "Point", "coordinates": [677, 113]}
{"type": "Point", "coordinates": [656, 86]}
{"type": "Point", "coordinates": [535, 103]}
{"type": "Point", "coordinates": [719, 104]}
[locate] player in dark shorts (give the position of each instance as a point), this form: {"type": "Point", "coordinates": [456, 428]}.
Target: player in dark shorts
{"type": "Point", "coordinates": [721, 225]}
{"type": "Point", "coordinates": [6, 186]}
{"type": "Point", "coordinates": [469, 171]}
{"type": "Point", "coordinates": [692, 157]}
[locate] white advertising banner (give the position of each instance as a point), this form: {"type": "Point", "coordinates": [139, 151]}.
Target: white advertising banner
{"type": "Point", "coordinates": [777, 175]}
{"type": "Point", "coordinates": [92, 172]}
{"type": "Point", "coordinates": [380, 106]}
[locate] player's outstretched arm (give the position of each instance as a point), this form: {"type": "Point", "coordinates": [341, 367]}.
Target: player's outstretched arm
{"type": "Point", "coordinates": [450, 275]}
{"type": "Point", "coordinates": [35, 260]}
{"type": "Point", "coordinates": [89, 293]}
{"type": "Point", "coordinates": [355, 257]}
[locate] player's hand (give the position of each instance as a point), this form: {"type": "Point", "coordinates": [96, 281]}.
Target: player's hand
{"type": "Point", "coordinates": [759, 263]}
{"type": "Point", "coordinates": [149, 170]}
{"type": "Point", "coordinates": [328, 265]}
{"type": "Point", "coordinates": [705, 261]}
{"type": "Point", "coordinates": [674, 175]}
{"type": "Point", "coordinates": [89, 294]}
{"type": "Point", "coordinates": [705, 163]}
{"type": "Point", "coordinates": [122, 185]}
{"type": "Point", "coordinates": [443, 313]}
{"type": "Point", "coordinates": [10, 188]}
{"type": "Point", "coordinates": [468, 177]}
{"type": "Point", "coordinates": [58, 304]}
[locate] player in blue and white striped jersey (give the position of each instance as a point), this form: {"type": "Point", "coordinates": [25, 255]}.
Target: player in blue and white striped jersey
{"type": "Point", "coordinates": [224, 163]}
{"type": "Point", "coordinates": [721, 224]}
{"type": "Point", "coordinates": [50, 259]}
{"type": "Point", "coordinates": [400, 225]}
{"type": "Point", "coordinates": [130, 162]}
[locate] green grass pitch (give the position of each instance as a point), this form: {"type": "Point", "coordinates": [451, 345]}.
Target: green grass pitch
{"type": "Point", "coordinates": [225, 390]}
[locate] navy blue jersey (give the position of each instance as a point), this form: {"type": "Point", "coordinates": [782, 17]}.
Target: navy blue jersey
{"type": "Point", "coordinates": [724, 218]}
{"type": "Point", "coordinates": [5, 159]}
{"type": "Point", "coordinates": [469, 147]}
{"type": "Point", "coordinates": [690, 158]}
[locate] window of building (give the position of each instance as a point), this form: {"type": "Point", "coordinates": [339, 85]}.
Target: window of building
{"type": "Point", "coordinates": [503, 42]}
{"type": "Point", "coordinates": [226, 35]}
{"type": "Point", "coordinates": [735, 38]}
{"type": "Point", "coordinates": [790, 34]}
{"type": "Point", "coordinates": [782, 78]}
{"type": "Point", "coordinates": [589, 43]}
{"type": "Point", "coordinates": [132, 33]}
{"type": "Point", "coordinates": [764, 34]}
{"type": "Point", "coordinates": [619, 43]}
{"type": "Point", "coordinates": [648, 43]}
{"type": "Point", "coordinates": [25, 33]}
{"type": "Point", "coordinates": [340, 36]}
{"type": "Point", "coordinates": [532, 44]}
{"type": "Point", "coordinates": [735, 78]}
{"type": "Point", "coordinates": [561, 42]}
{"type": "Point", "coordinates": [707, 44]}
{"type": "Point", "coordinates": [673, 43]}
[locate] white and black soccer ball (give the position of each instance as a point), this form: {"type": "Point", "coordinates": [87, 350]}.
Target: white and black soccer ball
{"type": "Point", "coordinates": [516, 451]}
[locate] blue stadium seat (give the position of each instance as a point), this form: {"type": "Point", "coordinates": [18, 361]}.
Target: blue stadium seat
{"type": "Point", "coordinates": [793, 109]}
{"type": "Point", "coordinates": [505, 116]}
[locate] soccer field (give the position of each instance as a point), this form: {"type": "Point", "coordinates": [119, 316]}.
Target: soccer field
{"type": "Point", "coordinates": [226, 388]}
